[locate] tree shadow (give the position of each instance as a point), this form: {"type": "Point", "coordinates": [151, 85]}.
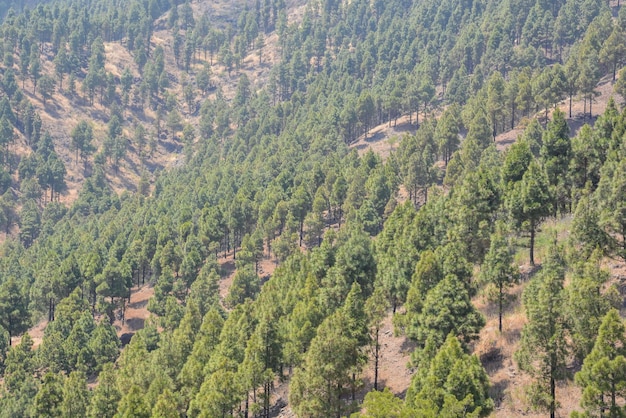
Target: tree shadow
{"type": "Point", "coordinates": [126, 337]}
{"type": "Point", "coordinates": [497, 391]}
{"type": "Point", "coordinates": [135, 323]}
{"type": "Point", "coordinates": [227, 268]}
{"type": "Point", "coordinates": [277, 408]}
{"type": "Point", "coordinates": [408, 345]}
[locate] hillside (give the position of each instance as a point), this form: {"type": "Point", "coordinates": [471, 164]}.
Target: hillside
{"type": "Point", "coordinates": [312, 208]}
{"type": "Point", "coordinates": [63, 110]}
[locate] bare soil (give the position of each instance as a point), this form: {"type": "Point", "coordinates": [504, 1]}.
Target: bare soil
{"type": "Point", "coordinates": [36, 333]}
{"type": "Point", "coordinates": [136, 312]}
{"type": "Point", "coordinates": [378, 138]}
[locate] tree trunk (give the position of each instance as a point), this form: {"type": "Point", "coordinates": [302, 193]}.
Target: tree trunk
{"type": "Point", "coordinates": [500, 300]}
{"type": "Point", "coordinates": [532, 242]}
{"type": "Point", "coordinates": [613, 400]}
{"type": "Point", "coordinates": [376, 360]}
{"type": "Point", "coordinates": [570, 105]}
{"type": "Point", "coordinates": [338, 400]}
{"type": "Point", "coordinates": [513, 116]}
{"type": "Point", "coordinates": [552, 398]}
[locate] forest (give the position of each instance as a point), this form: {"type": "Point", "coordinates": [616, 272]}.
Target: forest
{"type": "Point", "coordinates": [312, 208]}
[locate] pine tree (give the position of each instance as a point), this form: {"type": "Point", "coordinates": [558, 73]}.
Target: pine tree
{"type": "Point", "coordinates": [613, 207]}
{"type": "Point", "coordinates": [48, 401]}
{"type": "Point", "coordinates": [13, 307]}
{"type": "Point", "coordinates": [495, 100]}
{"type": "Point", "coordinates": [104, 344]}
{"type": "Point", "coordinates": [384, 404]}
{"type": "Point", "coordinates": [75, 396]}
{"type": "Point", "coordinates": [317, 387]}
{"type": "Point", "coordinates": [376, 307]}
{"type": "Point", "coordinates": [587, 235]}
{"type": "Point", "coordinates": [453, 381]}
{"type": "Point", "coordinates": [133, 405]}
{"type": "Point", "coordinates": [556, 153]}
{"type": "Point", "coordinates": [447, 309]}
{"type": "Point", "coordinates": [218, 397]}
{"type": "Point", "coordinates": [5, 343]}
{"type": "Point", "coordinates": [544, 344]}
{"type": "Point", "coordinates": [589, 300]}
{"type": "Point", "coordinates": [106, 396]}
{"type": "Point", "coordinates": [246, 285]}
{"type": "Point", "coordinates": [613, 50]}
{"type": "Point", "coordinates": [516, 161]}
{"type": "Point", "coordinates": [620, 86]}
{"type": "Point", "coordinates": [603, 375]}
{"type": "Point", "coordinates": [498, 269]}
{"type": "Point", "coordinates": [166, 406]}
{"type": "Point", "coordinates": [530, 202]}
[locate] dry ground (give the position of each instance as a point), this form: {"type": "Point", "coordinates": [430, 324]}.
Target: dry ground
{"type": "Point", "coordinates": [136, 312]}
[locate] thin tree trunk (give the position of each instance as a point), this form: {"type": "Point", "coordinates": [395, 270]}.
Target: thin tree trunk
{"type": "Point", "coordinates": [338, 400]}
{"type": "Point", "coordinates": [500, 297]}
{"type": "Point", "coordinates": [376, 360]}
{"type": "Point", "coordinates": [552, 398]}
{"type": "Point", "coordinates": [513, 116]}
{"type": "Point", "coordinates": [532, 242]}
{"type": "Point", "coordinates": [570, 105]}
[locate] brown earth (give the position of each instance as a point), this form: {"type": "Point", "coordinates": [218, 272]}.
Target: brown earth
{"type": "Point", "coordinates": [36, 333]}
{"type": "Point", "coordinates": [136, 312]}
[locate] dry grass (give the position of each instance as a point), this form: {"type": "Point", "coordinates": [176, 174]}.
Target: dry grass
{"type": "Point", "coordinates": [508, 383]}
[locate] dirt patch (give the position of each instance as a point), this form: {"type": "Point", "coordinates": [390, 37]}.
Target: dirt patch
{"type": "Point", "coordinates": [136, 312]}
{"type": "Point", "coordinates": [378, 138]}
{"type": "Point", "coordinates": [395, 355]}
{"type": "Point", "coordinates": [36, 333]}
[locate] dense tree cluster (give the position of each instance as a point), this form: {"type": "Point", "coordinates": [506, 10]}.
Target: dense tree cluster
{"type": "Point", "coordinates": [269, 173]}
